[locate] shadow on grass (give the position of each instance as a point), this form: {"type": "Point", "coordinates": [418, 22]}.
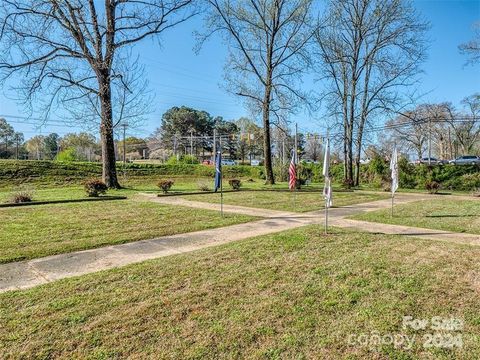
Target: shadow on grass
{"type": "Point", "coordinates": [450, 216]}
{"type": "Point", "coordinates": [64, 201]}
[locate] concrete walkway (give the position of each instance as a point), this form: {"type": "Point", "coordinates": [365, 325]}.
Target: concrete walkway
{"type": "Point", "coordinates": [242, 210]}
{"type": "Point", "coordinates": [26, 274]}
{"type": "Point", "coordinates": [429, 234]}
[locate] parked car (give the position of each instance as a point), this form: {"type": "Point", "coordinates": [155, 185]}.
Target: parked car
{"type": "Point", "coordinates": [433, 161]}
{"type": "Point", "coordinates": [466, 160]}
{"type": "Point", "coordinates": [228, 162]}
{"type": "Point", "coordinates": [255, 162]}
{"type": "Point", "coordinates": [207, 162]}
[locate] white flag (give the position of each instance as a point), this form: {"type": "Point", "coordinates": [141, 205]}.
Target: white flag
{"type": "Point", "coordinates": [327, 189]}
{"type": "Point", "coordinates": [394, 170]}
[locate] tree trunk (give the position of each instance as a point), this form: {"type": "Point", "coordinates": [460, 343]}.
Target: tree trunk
{"type": "Point", "coordinates": [348, 152]}
{"type": "Point", "coordinates": [357, 170]}
{"type": "Point", "coordinates": [349, 162]}
{"type": "Point", "coordinates": [358, 154]}
{"type": "Point", "coordinates": [267, 149]}
{"type": "Point", "coordinates": [109, 171]}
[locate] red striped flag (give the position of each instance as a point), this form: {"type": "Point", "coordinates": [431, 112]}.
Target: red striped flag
{"type": "Point", "coordinates": [292, 172]}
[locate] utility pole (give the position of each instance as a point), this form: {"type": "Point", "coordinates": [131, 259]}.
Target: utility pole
{"type": "Point", "coordinates": [214, 144]}
{"type": "Point", "coordinates": [429, 141]}
{"type": "Point", "coordinates": [17, 144]}
{"type": "Point", "coordinates": [191, 142]}
{"type": "Point", "coordinates": [450, 144]}
{"type": "Point", "coordinates": [296, 143]}
{"type": "Point", "coordinates": [124, 125]}
{"type": "Point", "coordinates": [175, 145]}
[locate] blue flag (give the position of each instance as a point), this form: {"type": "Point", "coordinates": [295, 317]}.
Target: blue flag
{"type": "Point", "coordinates": [218, 171]}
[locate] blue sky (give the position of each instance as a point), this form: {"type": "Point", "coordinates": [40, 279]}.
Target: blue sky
{"type": "Point", "coordinates": [180, 77]}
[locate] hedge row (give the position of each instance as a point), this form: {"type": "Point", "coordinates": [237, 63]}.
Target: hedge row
{"type": "Point", "coordinates": [376, 174]}
{"type": "Point", "coordinates": [15, 172]}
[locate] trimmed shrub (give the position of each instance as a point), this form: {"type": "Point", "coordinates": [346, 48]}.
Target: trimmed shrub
{"type": "Point", "coordinates": [432, 186]}
{"type": "Point", "coordinates": [21, 196]}
{"type": "Point", "coordinates": [280, 171]}
{"type": "Point", "coordinates": [189, 159]}
{"type": "Point", "coordinates": [203, 186]}
{"type": "Point", "coordinates": [298, 184]}
{"type": "Point", "coordinates": [304, 173]}
{"type": "Point", "coordinates": [470, 182]}
{"type": "Point", "coordinates": [386, 185]}
{"type": "Point", "coordinates": [336, 172]}
{"type": "Point", "coordinates": [183, 159]}
{"type": "Point", "coordinates": [347, 184]}
{"type": "Point", "coordinates": [95, 187]}
{"type": "Point", "coordinates": [67, 155]}
{"type": "Point", "coordinates": [235, 184]}
{"type": "Point", "coordinates": [406, 177]}
{"type": "Point", "coordinates": [165, 185]}
{"type": "Point", "coordinates": [172, 160]}
{"type": "Point", "coordinates": [378, 166]}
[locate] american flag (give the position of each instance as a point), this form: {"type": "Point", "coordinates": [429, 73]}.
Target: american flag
{"type": "Point", "coordinates": [292, 172]}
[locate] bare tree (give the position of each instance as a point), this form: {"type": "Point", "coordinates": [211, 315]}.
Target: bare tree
{"type": "Point", "coordinates": [466, 124]}
{"type": "Point", "coordinates": [472, 47]}
{"type": "Point", "coordinates": [369, 50]}
{"type": "Point", "coordinates": [70, 50]}
{"type": "Point", "coordinates": [267, 42]}
{"type": "Point", "coordinates": [131, 99]}
{"type": "Point", "coordinates": [410, 132]}
{"type": "Point", "coordinates": [313, 147]}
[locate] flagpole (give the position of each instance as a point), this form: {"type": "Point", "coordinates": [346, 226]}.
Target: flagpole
{"type": "Point", "coordinates": [326, 216]}
{"type": "Point", "coordinates": [221, 179]}
{"type": "Point", "coordinates": [326, 173]}
{"type": "Point", "coordinates": [326, 199]}
{"type": "Point", "coordinates": [221, 194]}
{"type": "Point", "coordinates": [393, 190]}
{"type": "Point", "coordinates": [296, 161]}
{"type": "Point", "coordinates": [393, 198]}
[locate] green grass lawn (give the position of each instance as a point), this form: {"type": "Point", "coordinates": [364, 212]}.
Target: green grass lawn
{"type": "Point", "coordinates": [132, 185]}
{"type": "Point", "coordinates": [41, 230]}
{"type": "Point", "coordinates": [184, 184]}
{"type": "Point", "coordinates": [302, 201]}
{"type": "Point", "coordinates": [48, 194]}
{"type": "Point", "coordinates": [441, 214]}
{"type": "Point", "coordinates": [297, 294]}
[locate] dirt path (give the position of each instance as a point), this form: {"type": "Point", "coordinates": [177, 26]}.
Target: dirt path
{"type": "Point", "coordinates": [26, 274]}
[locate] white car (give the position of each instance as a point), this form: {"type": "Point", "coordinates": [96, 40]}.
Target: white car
{"type": "Point", "coordinates": [228, 162]}
{"type": "Point", "coordinates": [255, 163]}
